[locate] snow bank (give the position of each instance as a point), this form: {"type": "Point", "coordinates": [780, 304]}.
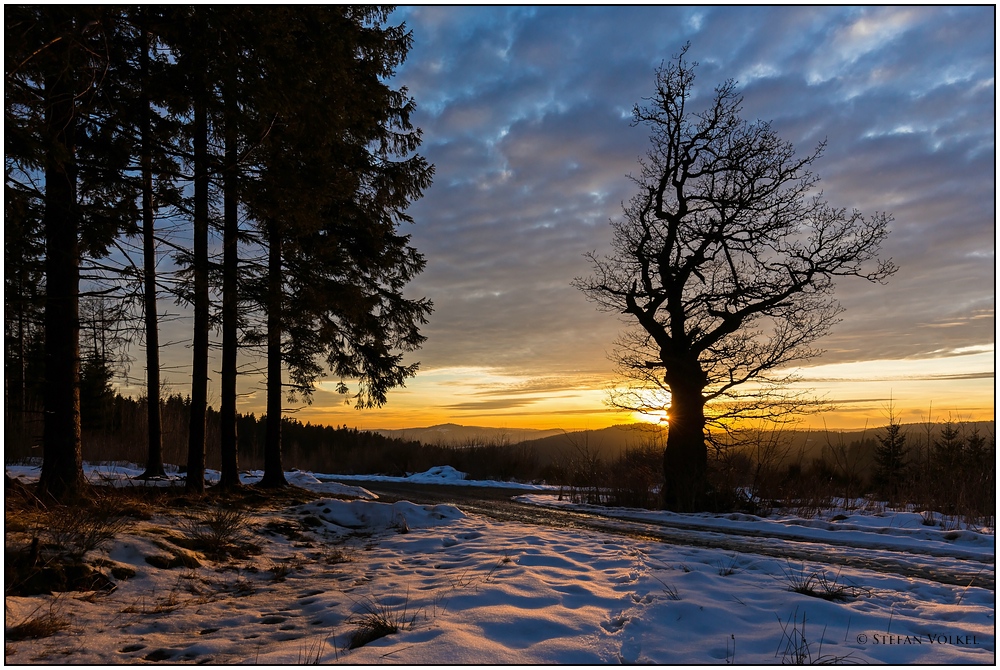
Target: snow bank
{"type": "Point", "coordinates": [441, 474]}
{"type": "Point", "coordinates": [899, 531]}
{"type": "Point", "coordinates": [370, 516]}
{"type": "Point", "coordinates": [128, 474]}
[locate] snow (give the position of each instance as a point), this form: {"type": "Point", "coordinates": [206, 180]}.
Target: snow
{"type": "Point", "coordinates": [444, 474]}
{"type": "Point", "coordinates": [467, 589]}
{"type": "Point", "coordinates": [362, 515]}
{"type": "Point", "coordinates": [899, 531]}
{"type": "Point", "coordinates": [128, 474]}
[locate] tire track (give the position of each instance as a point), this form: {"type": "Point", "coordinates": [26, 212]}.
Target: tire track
{"type": "Point", "coordinates": [496, 504]}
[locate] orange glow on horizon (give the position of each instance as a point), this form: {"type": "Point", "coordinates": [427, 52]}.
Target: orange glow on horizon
{"type": "Point", "coordinates": [852, 415]}
{"type": "Point", "coordinates": [959, 387]}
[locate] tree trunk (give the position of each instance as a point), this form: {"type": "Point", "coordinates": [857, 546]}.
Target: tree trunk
{"type": "Point", "coordinates": [230, 476]}
{"type": "Point", "coordinates": [62, 463]}
{"type": "Point", "coordinates": [199, 365]}
{"type": "Point", "coordinates": [154, 454]}
{"type": "Point", "coordinates": [685, 460]}
{"type": "Point", "coordinates": [274, 476]}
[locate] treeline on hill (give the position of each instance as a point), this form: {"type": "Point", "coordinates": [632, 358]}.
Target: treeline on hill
{"type": "Point", "coordinates": [251, 163]}
{"type": "Point", "coordinates": [114, 430]}
{"type": "Point", "coordinates": [947, 467]}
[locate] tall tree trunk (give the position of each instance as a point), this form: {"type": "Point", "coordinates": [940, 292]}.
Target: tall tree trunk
{"type": "Point", "coordinates": [15, 359]}
{"type": "Point", "coordinates": [62, 463]}
{"type": "Point", "coordinates": [199, 364]}
{"type": "Point", "coordinates": [154, 454]}
{"type": "Point", "coordinates": [685, 460]}
{"type": "Point", "coordinates": [230, 476]}
{"type": "Point", "coordinates": [274, 476]}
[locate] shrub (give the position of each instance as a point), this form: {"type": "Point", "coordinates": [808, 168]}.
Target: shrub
{"type": "Point", "coordinates": [77, 530]}
{"type": "Point", "coordinates": [222, 531]}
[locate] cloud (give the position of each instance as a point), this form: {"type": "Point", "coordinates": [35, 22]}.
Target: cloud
{"type": "Point", "coordinates": [486, 405]}
{"type": "Point", "coordinates": [526, 113]}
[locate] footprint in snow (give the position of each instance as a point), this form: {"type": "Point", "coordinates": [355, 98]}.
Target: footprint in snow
{"type": "Point", "coordinates": [616, 623]}
{"type": "Point", "coordinates": [273, 619]}
{"type": "Point", "coordinates": [159, 655]}
{"type": "Point", "coordinates": [630, 651]}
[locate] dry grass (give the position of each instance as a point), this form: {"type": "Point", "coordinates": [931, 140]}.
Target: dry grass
{"type": "Point", "coordinates": [221, 532]}
{"type": "Point", "coordinates": [36, 627]}
{"type": "Point", "coordinates": [796, 648]}
{"type": "Point", "coordinates": [377, 620]}
{"type": "Point", "coordinates": [729, 565]}
{"type": "Point", "coordinates": [820, 585]}
{"type": "Point", "coordinates": [76, 531]}
{"type": "Point", "coordinates": [46, 625]}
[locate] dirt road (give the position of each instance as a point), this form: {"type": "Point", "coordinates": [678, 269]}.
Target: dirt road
{"type": "Point", "coordinates": [497, 503]}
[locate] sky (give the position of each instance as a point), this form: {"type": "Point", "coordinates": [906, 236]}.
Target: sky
{"type": "Point", "coordinates": [526, 115]}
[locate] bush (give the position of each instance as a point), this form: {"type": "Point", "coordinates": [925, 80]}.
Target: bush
{"type": "Point", "coordinates": [78, 530]}
{"type": "Point", "coordinates": [635, 478]}
{"type": "Point", "coordinates": [222, 531]}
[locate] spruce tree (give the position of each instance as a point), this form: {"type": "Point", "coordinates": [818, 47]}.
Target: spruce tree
{"type": "Point", "coordinates": [338, 170]}
{"type": "Point", "coordinates": [891, 460]}
{"type": "Point", "coordinates": [58, 61]}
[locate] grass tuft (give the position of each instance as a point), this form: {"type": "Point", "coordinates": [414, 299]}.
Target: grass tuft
{"type": "Point", "coordinates": [377, 620]}
{"type": "Point", "coordinates": [36, 627]}
{"type": "Point", "coordinates": [729, 565]}
{"type": "Point", "coordinates": [222, 531]}
{"type": "Point", "coordinates": [795, 647]}
{"type": "Point", "coordinates": [80, 529]}
{"type": "Point", "coordinates": [820, 585]}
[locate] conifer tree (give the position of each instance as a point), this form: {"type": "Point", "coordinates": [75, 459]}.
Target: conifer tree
{"type": "Point", "coordinates": [337, 172]}
{"type": "Point", "coordinates": [56, 103]}
{"type": "Point", "coordinates": [891, 459]}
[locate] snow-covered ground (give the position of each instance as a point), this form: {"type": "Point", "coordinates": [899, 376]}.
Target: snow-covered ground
{"type": "Point", "coordinates": [444, 474]}
{"type": "Point", "coordinates": [467, 589]}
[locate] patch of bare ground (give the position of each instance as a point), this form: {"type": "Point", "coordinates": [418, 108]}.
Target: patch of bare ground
{"type": "Point", "coordinates": [49, 545]}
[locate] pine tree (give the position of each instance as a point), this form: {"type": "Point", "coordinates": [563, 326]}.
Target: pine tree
{"type": "Point", "coordinates": [948, 449]}
{"type": "Point", "coordinates": [58, 59]}
{"type": "Point", "coordinates": [338, 171]}
{"type": "Point", "coordinates": [891, 460]}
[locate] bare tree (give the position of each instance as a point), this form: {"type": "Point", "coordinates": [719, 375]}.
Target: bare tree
{"type": "Point", "coordinates": [724, 263]}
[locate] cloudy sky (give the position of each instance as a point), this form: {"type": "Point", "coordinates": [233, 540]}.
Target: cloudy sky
{"type": "Point", "coordinates": [526, 114]}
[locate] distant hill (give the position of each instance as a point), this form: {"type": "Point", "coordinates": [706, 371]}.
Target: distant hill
{"type": "Point", "coordinates": [608, 443]}
{"type": "Point", "coordinates": [454, 435]}
{"type": "Point", "coordinates": [557, 445]}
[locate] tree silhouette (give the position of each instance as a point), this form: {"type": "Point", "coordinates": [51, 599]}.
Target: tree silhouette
{"type": "Point", "coordinates": [64, 183]}
{"type": "Point", "coordinates": [337, 171]}
{"type": "Point", "coordinates": [285, 114]}
{"type": "Point", "coordinates": [891, 459]}
{"type": "Point", "coordinates": [724, 264]}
